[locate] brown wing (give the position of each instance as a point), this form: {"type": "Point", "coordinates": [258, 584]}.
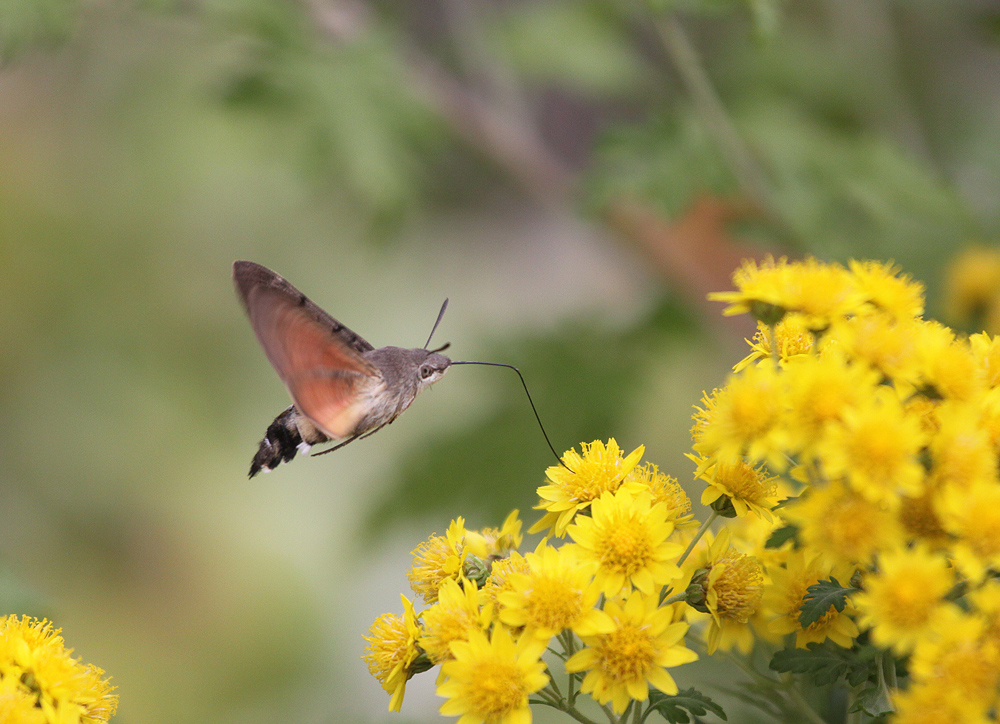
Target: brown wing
{"type": "Point", "coordinates": [319, 359]}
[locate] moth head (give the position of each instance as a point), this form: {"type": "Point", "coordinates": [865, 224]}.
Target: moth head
{"type": "Point", "coordinates": [432, 368]}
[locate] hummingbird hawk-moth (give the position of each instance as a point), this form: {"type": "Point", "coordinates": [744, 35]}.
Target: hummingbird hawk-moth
{"type": "Point", "coordinates": [342, 387]}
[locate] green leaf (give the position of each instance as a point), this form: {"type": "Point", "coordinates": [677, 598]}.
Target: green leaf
{"type": "Point", "coordinates": [825, 663]}
{"type": "Point", "coordinates": [779, 536]}
{"type": "Point", "coordinates": [872, 700]}
{"type": "Point", "coordinates": [672, 708]}
{"type": "Point", "coordinates": [818, 599]}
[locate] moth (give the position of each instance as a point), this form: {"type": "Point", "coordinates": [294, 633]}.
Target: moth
{"type": "Point", "coordinates": [342, 387]}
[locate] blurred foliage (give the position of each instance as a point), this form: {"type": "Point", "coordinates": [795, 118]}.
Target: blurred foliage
{"type": "Point", "coordinates": [145, 144]}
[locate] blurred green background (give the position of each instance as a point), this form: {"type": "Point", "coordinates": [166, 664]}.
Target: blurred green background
{"type": "Point", "coordinates": [574, 175]}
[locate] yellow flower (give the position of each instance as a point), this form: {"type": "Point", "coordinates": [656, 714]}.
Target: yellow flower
{"type": "Point", "coordinates": [748, 487]}
{"type": "Point", "coordinates": [903, 602]}
{"type": "Point", "coordinates": [876, 449]}
{"type": "Point", "coordinates": [731, 586]}
{"type": "Point", "coordinates": [744, 419]}
{"type": "Point", "coordinates": [819, 292]}
{"type": "Point", "coordinates": [842, 525]}
{"type": "Point", "coordinates": [783, 598]}
{"type": "Point", "coordinates": [453, 618]}
{"type": "Point", "coordinates": [622, 663]}
{"type": "Point", "coordinates": [961, 452]}
{"type": "Point", "coordinates": [495, 542]}
{"type": "Point", "coordinates": [952, 369]}
{"type": "Point", "coordinates": [436, 560]}
{"type": "Point", "coordinates": [971, 292]}
{"type": "Point", "coordinates": [973, 516]}
{"type": "Point", "coordinates": [584, 478]}
{"type": "Point", "coordinates": [935, 703]}
{"type": "Point", "coordinates": [958, 656]}
{"type": "Point", "coordinates": [987, 351]}
{"type": "Point", "coordinates": [791, 341]}
{"type": "Point", "coordinates": [890, 346]}
{"type": "Point", "coordinates": [882, 286]}
{"type": "Point", "coordinates": [820, 390]}
{"type": "Point", "coordinates": [626, 536]}
{"type": "Point", "coordinates": [557, 593]}
{"type": "Point", "coordinates": [34, 663]}
{"type": "Point", "coordinates": [489, 680]}
{"type": "Point", "coordinates": [499, 579]}
{"type": "Point", "coordinates": [391, 649]}
{"type": "Point", "coordinates": [664, 489]}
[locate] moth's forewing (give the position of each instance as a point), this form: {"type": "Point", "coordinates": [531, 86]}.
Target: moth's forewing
{"type": "Point", "coordinates": [318, 358]}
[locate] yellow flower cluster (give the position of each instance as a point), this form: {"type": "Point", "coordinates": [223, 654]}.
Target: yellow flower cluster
{"type": "Point", "coordinates": [886, 430]}
{"type": "Point", "coordinates": [494, 611]}
{"type": "Point", "coordinates": [41, 682]}
{"type": "Point", "coordinates": [855, 453]}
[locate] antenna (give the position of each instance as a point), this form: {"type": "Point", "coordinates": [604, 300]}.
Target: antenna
{"type": "Point", "coordinates": [436, 323]}
{"type": "Point", "coordinates": [530, 401]}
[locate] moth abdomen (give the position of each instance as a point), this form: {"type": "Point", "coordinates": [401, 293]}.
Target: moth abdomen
{"type": "Point", "coordinates": [288, 434]}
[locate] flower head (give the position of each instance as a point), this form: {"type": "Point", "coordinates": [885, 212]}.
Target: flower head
{"type": "Point", "coordinates": [626, 536]}
{"type": "Point", "coordinates": [744, 419]}
{"type": "Point", "coordinates": [391, 650]}
{"type": "Point", "coordinates": [883, 287]}
{"type": "Point", "coordinates": [455, 616]}
{"type": "Point", "coordinates": [581, 480]}
{"type": "Point", "coordinates": [489, 680]}
{"type": "Point", "coordinates": [36, 667]}
{"type": "Point", "coordinates": [729, 586]}
{"type": "Point", "coordinates": [904, 601]}
{"type": "Point", "coordinates": [495, 542]}
{"type": "Point", "coordinates": [842, 525]}
{"type": "Point", "coordinates": [747, 487]}
{"type": "Point", "coordinates": [664, 489]}
{"type": "Point", "coordinates": [438, 559]}
{"type": "Point", "coordinates": [622, 663]}
{"type": "Point", "coordinates": [558, 592]}
{"type": "Point", "coordinates": [788, 340]}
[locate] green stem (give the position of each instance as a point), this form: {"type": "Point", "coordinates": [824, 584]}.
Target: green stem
{"type": "Point", "coordinates": [890, 672]}
{"type": "Point", "coordinates": [802, 705]}
{"type": "Point", "coordinates": [674, 599]}
{"type": "Point", "coordinates": [609, 714]}
{"type": "Point", "coordinates": [697, 537]}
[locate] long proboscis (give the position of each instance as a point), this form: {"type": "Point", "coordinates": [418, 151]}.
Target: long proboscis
{"type": "Point", "coordinates": [530, 402]}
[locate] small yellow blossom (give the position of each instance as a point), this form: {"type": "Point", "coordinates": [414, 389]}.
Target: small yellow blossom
{"type": "Point", "coordinates": [784, 596]}
{"type": "Point", "coordinates": [986, 350]}
{"type": "Point", "coordinates": [904, 600]}
{"type": "Point", "coordinates": [35, 664]}
{"type": "Point", "coordinates": [972, 290]}
{"type": "Point", "coordinates": [664, 489]}
{"type": "Point", "coordinates": [842, 525]}
{"type": "Point", "coordinates": [436, 560]}
{"type": "Point", "coordinates": [958, 656]}
{"type": "Point", "coordinates": [732, 586]}
{"type": "Point", "coordinates": [952, 370]}
{"type": "Point", "coordinates": [973, 516]}
{"type": "Point", "coordinates": [961, 452]}
{"type": "Point", "coordinates": [791, 341]}
{"type": "Point", "coordinates": [454, 617]}
{"type": "Point", "coordinates": [876, 449]}
{"type": "Point", "coordinates": [489, 680]}
{"type": "Point", "coordinates": [819, 391]}
{"type": "Point", "coordinates": [622, 663]}
{"type": "Point", "coordinates": [557, 593]}
{"type": "Point", "coordinates": [584, 478]}
{"type": "Point", "coordinates": [744, 419]}
{"type": "Point", "coordinates": [391, 649]}
{"type": "Point", "coordinates": [499, 579]}
{"type": "Point", "coordinates": [748, 487]}
{"type": "Point", "coordinates": [883, 287]}
{"type": "Point", "coordinates": [890, 346]}
{"type": "Point", "coordinates": [934, 703]}
{"type": "Point", "coordinates": [626, 536]}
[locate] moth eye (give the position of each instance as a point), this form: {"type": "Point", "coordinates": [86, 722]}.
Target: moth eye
{"type": "Point", "coordinates": [425, 372]}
